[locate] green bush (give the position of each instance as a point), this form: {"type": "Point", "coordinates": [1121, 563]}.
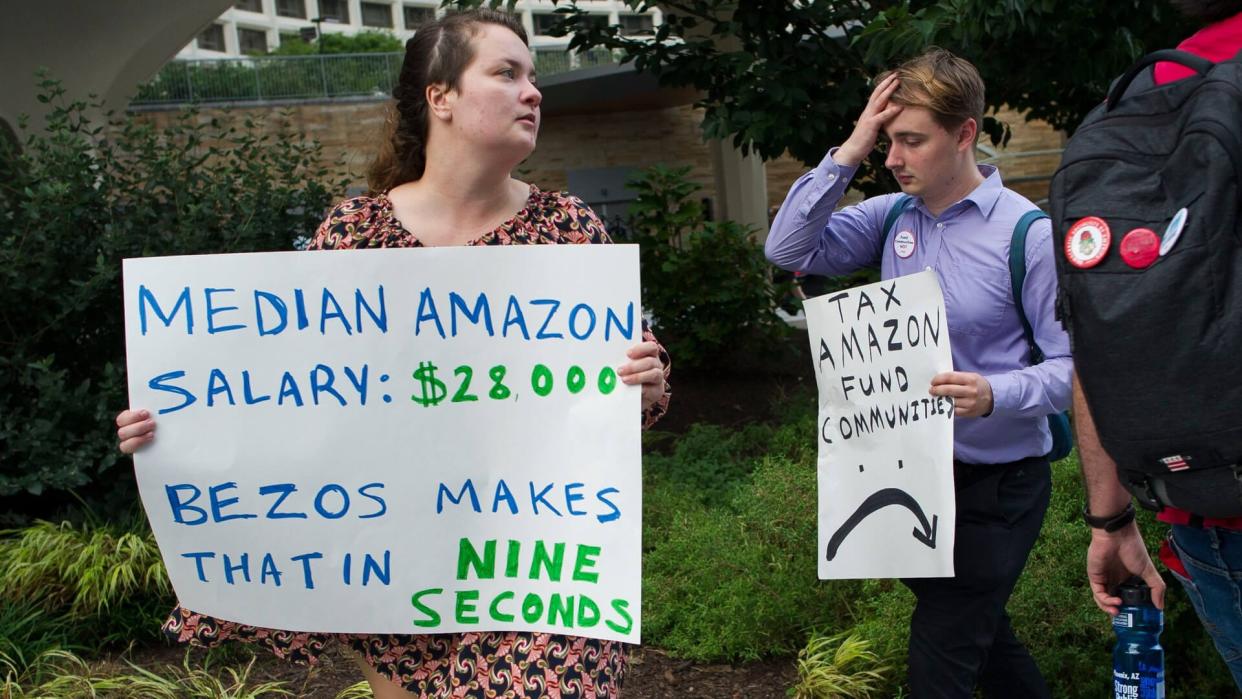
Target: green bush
{"type": "Point", "coordinates": [709, 461]}
{"type": "Point", "coordinates": [706, 283]}
{"type": "Point", "coordinates": [368, 41]}
{"type": "Point", "coordinates": [80, 195]}
{"type": "Point", "coordinates": [737, 581]}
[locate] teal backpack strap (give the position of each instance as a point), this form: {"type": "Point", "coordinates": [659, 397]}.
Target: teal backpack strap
{"type": "Point", "coordinates": [898, 208]}
{"type": "Point", "coordinates": [1017, 276]}
{"type": "Point", "coordinates": [1058, 423]}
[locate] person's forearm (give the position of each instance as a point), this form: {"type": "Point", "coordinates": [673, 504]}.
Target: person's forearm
{"type": "Point", "coordinates": [1035, 391]}
{"type": "Point", "coordinates": [796, 232]}
{"type": "Point", "coordinates": [1105, 494]}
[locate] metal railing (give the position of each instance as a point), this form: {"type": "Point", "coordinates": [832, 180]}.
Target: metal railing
{"type": "Point", "coordinates": [318, 77]}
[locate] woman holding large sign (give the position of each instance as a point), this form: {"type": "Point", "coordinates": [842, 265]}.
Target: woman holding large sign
{"type": "Point", "coordinates": [467, 113]}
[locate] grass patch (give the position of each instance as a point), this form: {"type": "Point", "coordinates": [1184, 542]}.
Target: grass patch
{"type": "Point", "coordinates": [835, 667]}
{"type": "Point", "coordinates": [82, 569]}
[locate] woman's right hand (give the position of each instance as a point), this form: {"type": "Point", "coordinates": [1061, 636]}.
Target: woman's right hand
{"type": "Point", "coordinates": [135, 429]}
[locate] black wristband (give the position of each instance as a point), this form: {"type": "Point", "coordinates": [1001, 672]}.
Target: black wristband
{"type": "Point", "coordinates": [1109, 524]}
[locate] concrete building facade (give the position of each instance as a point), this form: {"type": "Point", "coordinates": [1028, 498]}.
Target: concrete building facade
{"type": "Point", "coordinates": [258, 26]}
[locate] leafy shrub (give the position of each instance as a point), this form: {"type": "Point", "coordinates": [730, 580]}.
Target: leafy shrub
{"type": "Point", "coordinates": [80, 196]}
{"type": "Point", "coordinates": [709, 461]}
{"type": "Point", "coordinates": [367, 41]}
{"type": "Point", "coordinates": [706, 283]}
{"type": "Point", "coordinates": [738, 581]}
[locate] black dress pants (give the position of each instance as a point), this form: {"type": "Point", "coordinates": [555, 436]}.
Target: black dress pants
{"type": "Point", "coordinates": [960, 636]}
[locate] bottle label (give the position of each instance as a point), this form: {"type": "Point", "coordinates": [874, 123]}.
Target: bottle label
{"type": "Point", "coordinates": [1146, 683]}
{"type": "Point", "coordinates": [1123, 620]}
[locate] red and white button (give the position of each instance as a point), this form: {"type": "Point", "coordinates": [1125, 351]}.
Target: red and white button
{"type": "Point", "coordinates": [1087, 242]}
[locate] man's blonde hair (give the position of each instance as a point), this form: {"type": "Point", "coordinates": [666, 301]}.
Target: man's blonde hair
{"type": "Point", "coordinates": [947, 86]}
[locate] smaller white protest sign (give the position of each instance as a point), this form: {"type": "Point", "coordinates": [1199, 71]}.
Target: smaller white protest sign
{"type": "Point", "coordinates": [886, 503]}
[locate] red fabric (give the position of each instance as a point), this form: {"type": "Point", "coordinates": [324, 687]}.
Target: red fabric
{"type": "Point", "coordinates": [1169, 557]}
{"type": "Point", "coordinates": [1215, 42]}
{"type": "Point", "coordinates": [1172, 515]}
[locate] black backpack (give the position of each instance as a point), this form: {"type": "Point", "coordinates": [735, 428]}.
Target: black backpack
{"type": "Point", "coordinates": [1155, 315]}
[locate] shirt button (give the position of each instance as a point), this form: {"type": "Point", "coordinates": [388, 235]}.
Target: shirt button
{"type": "Point", "coordinates": [832, 177]}
{"type": "Point", "coordinates": [939, 225]}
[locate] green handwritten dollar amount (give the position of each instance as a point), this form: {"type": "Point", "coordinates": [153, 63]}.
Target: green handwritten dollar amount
{"type": "Point", "coordinates": [433, 391]}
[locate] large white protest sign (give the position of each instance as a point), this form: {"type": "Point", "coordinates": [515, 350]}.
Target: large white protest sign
{"type": "Point", "coordinates": [394, 441]}
{"type": "Point", "coordinates": [886, 503]}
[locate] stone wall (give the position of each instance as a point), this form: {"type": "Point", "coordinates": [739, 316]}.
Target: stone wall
{"type": "Point", "coordinates": [353, 130]}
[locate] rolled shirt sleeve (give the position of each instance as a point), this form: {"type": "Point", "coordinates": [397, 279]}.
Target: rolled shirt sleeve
{"type": "Point", "coordinates": [808, 236]}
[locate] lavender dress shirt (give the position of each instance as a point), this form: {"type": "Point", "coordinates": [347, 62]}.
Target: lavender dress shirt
{"type": "Point", "coordinates": [968, 247]}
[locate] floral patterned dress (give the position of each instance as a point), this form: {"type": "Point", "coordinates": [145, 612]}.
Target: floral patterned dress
{"type": "Point", "coordinates": [509, 664]}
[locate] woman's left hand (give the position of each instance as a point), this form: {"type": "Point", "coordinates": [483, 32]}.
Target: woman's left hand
{"type": "Point", "coordinates": [644, 368]}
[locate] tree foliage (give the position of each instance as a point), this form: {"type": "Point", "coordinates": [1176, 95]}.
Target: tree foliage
{"type": "Point", "coordinates": [782, 76]}
{"type": "Point", "coordinates": [362, 42]}
{"type": "Point", "coordinates": [706, 283]}
{"type": "Point", "coordinates": [80, 196]}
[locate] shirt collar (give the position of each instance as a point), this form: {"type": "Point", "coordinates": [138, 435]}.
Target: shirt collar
{"type": "Point", "coordinates": [985, 196]}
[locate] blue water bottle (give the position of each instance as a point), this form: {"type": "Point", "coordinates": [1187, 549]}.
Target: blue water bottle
{"type": "Point", "coordinates": [1138, 659]}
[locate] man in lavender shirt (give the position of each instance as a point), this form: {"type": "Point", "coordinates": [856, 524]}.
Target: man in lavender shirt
{"type": "Point", "coordinates": [959, 223]}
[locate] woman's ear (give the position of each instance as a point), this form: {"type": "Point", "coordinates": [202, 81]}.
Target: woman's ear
{"type": "Point", "coordinates": [440, 101]}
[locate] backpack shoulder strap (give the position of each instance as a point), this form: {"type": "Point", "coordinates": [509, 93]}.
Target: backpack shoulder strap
{"type": "Point", "coordinates": [1017, 276]}
{"type": "Point", "coordinates": [900, 204]}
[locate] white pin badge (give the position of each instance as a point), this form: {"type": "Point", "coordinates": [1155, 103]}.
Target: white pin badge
{"type": "Point", "coordinates": [903, 244]}
{"type": "Point", "coordinates": [1173, 231]}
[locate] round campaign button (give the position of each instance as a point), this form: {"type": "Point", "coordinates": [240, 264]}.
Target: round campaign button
{"type": "Point", "coordinates": [903, 244]}
{"type": "Point", "coordinates": [1087, 242]}
{"type": "Point", "coordinates": [1173, 231]}
{"type": "Point", "coordinates": [1140, 247]}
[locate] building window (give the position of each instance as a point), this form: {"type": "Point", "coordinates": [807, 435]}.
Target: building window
{"type": "Point", "coordinates": [416, 17]}
{"type": "Point", "coordinates": [212, 38]}
{"type": "Point", "coordinates": [250, 5]}
{"type": "Point", "coordinates": [334, 9]}
{"type": "Point", "coordinates": [544, 22]}
{"type": "Point", "coordinates": [251, 41]}
{"type": "Point", "coordinates": [291, 8]}
{"type": "Point", "coordinates": [637, 24]}
{"type": "Point", "coordinates": [375, 14]}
